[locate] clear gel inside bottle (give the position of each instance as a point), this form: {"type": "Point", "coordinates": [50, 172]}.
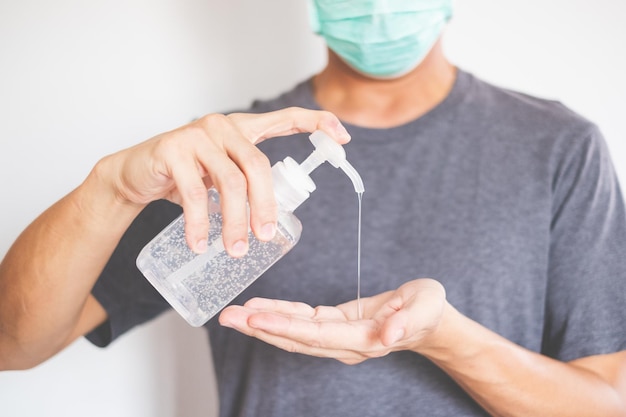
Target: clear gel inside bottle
{"type": "Point", "coordinates": [199, 286]}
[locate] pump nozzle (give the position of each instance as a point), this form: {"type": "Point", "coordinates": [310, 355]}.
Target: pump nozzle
{"type": "Point", "coordinates": [292, 184]}
{"type": "Point", "coordinates": [327, 149]}
{"type": "Point", "coordinates": [354, 176]}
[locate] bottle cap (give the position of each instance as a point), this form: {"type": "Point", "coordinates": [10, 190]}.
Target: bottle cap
{"type": "Point", "coordinates": [292, 183]}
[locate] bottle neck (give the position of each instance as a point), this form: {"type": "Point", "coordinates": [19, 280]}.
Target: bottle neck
{"type": "Point", "coordinates": [292, 185]}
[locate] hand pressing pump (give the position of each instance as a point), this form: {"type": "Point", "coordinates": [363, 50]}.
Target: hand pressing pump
{"type": "Point", "coordinates": [198, 286]}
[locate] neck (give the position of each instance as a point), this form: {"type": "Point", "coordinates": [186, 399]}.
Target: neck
{"type": "Point", "coordinates": [376, 103]}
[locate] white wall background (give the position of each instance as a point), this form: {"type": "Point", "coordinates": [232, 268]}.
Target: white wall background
{"type": "Point", "coordinates": [81, 79]}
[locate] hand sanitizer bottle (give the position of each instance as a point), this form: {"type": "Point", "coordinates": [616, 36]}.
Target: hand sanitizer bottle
{"type": "Point", "coordinates": [198, 286]}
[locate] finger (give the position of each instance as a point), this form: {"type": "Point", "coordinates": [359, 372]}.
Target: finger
{"type": "Point", "coordinates": [258, 127]}
{"type": "Point", "coordinates": [396, 320]}
{"type": "Point", "coordinates": [413, 312]}
{"type": "Point", "coordinates": [326, 334]}
{"type": "Point", "coordinates": [193, 195]}
{"type": "Point", "coordinates": [239, 318]}
{"type": "Point", "coordinates": [232, 186]}
{"type": "Point", "coordinates": [293, 346]}
{"type": "Point", "coordinates": [228, 178]}
{"type": "Point", "coordinates": [246, 129]}
{"type": "Point", "coordinates": [187, 170]}
{"type": "Point", "coordinates": [258, 173]}
{"type": "Point", "coordinates": [296, 309]}
{"type": "Point", "coordinates": [280, 306]}
{"type": "Point", "coordinates": [236, 317]}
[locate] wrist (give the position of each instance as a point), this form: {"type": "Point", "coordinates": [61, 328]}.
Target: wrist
{"type": "Point", "coordinates": [98, 197]}
{"type": "Point", "coordinates": [453, 339]}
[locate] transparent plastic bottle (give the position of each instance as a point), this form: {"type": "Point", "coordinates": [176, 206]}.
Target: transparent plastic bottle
{"type": "Point", "coordinates": [198, 286]}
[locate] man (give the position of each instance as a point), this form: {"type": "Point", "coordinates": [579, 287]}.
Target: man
{"type": "Point", "coordinates": [508, 204]}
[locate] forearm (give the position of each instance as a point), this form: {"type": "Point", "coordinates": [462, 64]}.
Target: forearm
{"type": "Point", "coordinates": [508, 380]}
{"type": "Point", "coordinates": [49, 272]}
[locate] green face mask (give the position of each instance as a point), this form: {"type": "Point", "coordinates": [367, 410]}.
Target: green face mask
{"type": "Point", "coordinates": [380, 38]}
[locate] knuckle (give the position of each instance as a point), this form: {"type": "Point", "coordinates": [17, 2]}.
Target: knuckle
{"type": "Point", "coordinates": [317, 312]}
{"type": "Point", "coordinates": [195, 132]}
{"type": "Point", "coordinates": [376, 353]}
{"type": "Point", "coordinates": [372, 355]}
{"type": "Point", "coordinates": [196, 193]}
{"type": "Point", "coordinates": [267, 212]}
{"type": "Point", "coordinates": [327, 116]}
{"type": "Point", "coordinates": [293, 113]}
{"type": "Point", "coordinates": [234, 182]}
{"type": "Point", "coordinates": [193, 230]}
{"type": "Point", "coordinates": [202, 224]}
{"type": "Point", "coordinates": [213, 120]}
{"type": "Point", "coordinates": [315, 337]}
{"type": "Point", "coordinates": [257, 161]}
{"type": "Point", "coordinates": [234, 227]}
{"type": "Point", "coordinates": [314, 343]}
{"type": "Point", "coordinates": [292, 348]}
{"type": "Point", "coordinates": [292, 109]}
{"type": "Point", "coordinates": [236, 117]}
{"type": "Point", "coordinates": [168, 145]}
{"type": "Point", "coordinates": [179, 143]}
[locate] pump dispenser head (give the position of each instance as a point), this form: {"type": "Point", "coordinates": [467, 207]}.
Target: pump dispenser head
{"type": "Point", "coordinates": [292, 183]}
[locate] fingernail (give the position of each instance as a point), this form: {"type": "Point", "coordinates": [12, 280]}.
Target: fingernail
{"type": "Point", "coordinates": [268, 231]}
{"type": "Point", "coordinates": [239, 248]}
{"type": "Point", "coordinates": [342, 132]}
{"type": "Point", "coordinates": [201, 246]}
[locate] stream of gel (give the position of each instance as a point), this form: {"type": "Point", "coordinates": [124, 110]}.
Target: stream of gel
{"type": "Point", "coordinates": [354, 176]}
{"type": "Point", "coordinates": [358, 262]}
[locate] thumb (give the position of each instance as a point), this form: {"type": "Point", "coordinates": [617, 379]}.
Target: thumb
{"type": "Point", "coordinates": [258, 127]}
{"type": "Point", "coordinates": [413, 312]}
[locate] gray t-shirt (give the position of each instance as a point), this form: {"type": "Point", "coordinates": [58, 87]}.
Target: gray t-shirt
{"type": "Point", "coordinates": [511, 202]}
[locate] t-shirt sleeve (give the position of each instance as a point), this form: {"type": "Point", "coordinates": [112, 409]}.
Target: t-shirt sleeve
{"type": "Point", "coordinates": [128, 298]}
{"type": "Point", "coordinates": [586, 295]}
